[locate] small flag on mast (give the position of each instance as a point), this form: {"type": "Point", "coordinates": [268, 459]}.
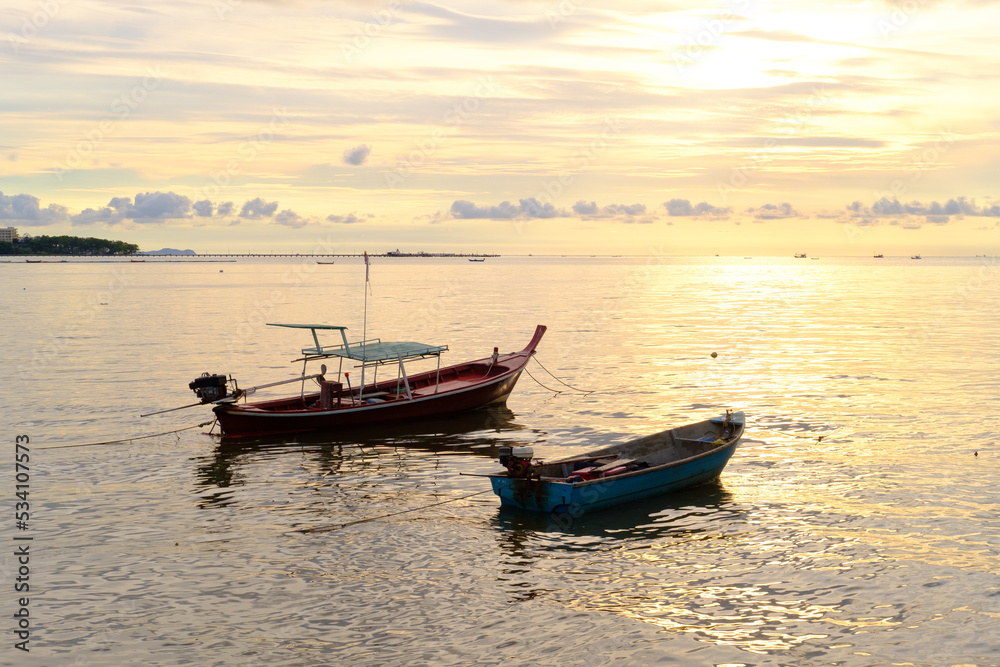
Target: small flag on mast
{"type": "Point", "coordinates": [368, 284]}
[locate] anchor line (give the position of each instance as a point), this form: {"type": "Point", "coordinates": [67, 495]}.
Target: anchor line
{"type": "Point", "coordinates": [138, 437]}
{"type": "Point", "coordinates": [327, 529]}
{"type": "Point", "coordinates": [582, 391]}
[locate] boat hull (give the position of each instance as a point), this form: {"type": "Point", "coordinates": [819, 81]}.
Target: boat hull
{"type": "Point", "coordinates": [541, 495]}
{"type": "Point", "coordinates": [239, 421]}
{"type": "Point", "coordinates": [462, 388]}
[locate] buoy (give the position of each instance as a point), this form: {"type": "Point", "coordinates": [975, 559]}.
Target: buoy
{"type": "Point", "coordinates": [975, 453]}
{"type": "Point", "coordinates": [715, 354]}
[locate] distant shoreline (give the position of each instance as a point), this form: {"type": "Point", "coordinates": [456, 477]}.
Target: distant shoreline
{"type": "Point", "coordinates": [196, 256]}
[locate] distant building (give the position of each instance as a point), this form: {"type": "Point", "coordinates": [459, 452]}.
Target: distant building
{"type": "Point", "coordinates": [8, 234]}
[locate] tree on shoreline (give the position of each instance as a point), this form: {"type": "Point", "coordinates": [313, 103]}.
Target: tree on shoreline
{"type": "Point", "coordinates": [67, 245]}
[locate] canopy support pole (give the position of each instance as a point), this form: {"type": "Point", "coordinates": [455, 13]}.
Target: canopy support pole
{"type": "Point", "coordinates": [406, 380]}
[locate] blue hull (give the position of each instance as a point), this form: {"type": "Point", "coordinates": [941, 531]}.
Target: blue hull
{"type": "Point", "coordinates": [547, 495]}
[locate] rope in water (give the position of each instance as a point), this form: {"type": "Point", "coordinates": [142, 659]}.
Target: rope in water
{"type": "Point", "coordinates": [582, 391]}
{"type": "Point", "coordinates": [327, 529]}
{"type": "Point", "coordinates": [138, 437]}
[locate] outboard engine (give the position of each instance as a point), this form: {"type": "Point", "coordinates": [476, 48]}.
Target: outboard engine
{"type": "Point", "coordinates": [209, 387]}
{"type": "Point", "coordinates": [517, 460]}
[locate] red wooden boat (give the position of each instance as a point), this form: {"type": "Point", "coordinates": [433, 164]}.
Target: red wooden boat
{"type": "Point", "coordinates": [338, 404]}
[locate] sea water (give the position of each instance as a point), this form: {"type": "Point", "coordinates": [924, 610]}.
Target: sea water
{"type": "Point", "coordinates": [857, 524]}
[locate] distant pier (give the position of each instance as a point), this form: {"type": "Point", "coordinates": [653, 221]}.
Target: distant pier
{"type": "Point", "coordinates": [302, 254]}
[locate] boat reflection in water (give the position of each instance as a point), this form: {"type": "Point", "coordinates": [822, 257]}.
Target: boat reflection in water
{"type": "Point", "coordinates": [646, 518]}
{"type": "Point", "coordinates": [474, 432]}
{"type": "Point", "coordinates": [637, 530]}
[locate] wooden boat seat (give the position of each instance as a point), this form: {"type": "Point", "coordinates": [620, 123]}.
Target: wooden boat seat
{"type": "Point", "coordinates": [445, 385]}
{"type": "Point", "coordinates": [693, 441]}
{"type": "Point", "coordinates": [614, 464]}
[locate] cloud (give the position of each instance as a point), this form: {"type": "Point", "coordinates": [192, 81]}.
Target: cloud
{"type": "Point", "coordinates": [255, 209]}
{"type": "Point", "coordinates": [348, 219]}
{"type": "Point", "coordinates": [26, 210]}
{"type": "Point", "coordinates": [934, 212]}
{"type": "Point", "coordinates": [202, 209]}
{"type": "Point", "coordinates": [774, 212]}
{"type": "Point", "coordinates": [225, 208]}
{"type": "Point", "coordinates": [591, 210]}
{"type": "Point", "coordinates": [148, 207]}
{"type": "Point", "coordinates": [161, 205]}
{"type": "Point", "coordinates": [357, 155]}
{"type": "Point", "coordinates": [683, 207]}
{"type": "Point", "coordinates": [959, 206]}
{"type": "Point", "coordinates": [452, 26]}
{"type": "Point", "coordinates": [525, 208]}
{"type": "Point", "coordinates": [290, 218]}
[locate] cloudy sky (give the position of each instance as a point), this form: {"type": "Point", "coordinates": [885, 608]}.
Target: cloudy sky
{"type": "Point", "coordinates": [516, 126]}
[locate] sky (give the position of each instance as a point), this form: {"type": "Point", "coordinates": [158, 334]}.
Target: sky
{"type": "Point", "coordinates": [506, 126]}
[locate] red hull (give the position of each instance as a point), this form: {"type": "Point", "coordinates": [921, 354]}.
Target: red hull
{"type": "Point", "coordinates": [462, 388]}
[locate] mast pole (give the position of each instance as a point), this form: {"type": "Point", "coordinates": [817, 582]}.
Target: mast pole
{"type": "Point", "coordinates": [364, 334]}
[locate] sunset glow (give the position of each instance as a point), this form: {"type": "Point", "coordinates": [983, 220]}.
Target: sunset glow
{"type": "Point", "coordinates": [511, 127]}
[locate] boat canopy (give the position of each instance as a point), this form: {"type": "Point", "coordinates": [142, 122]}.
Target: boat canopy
{"type": "Point", "coordinates": [367, 352]}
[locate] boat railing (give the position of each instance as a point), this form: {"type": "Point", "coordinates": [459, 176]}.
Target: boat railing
{"type": "Point", "coordinates": [323, 351]}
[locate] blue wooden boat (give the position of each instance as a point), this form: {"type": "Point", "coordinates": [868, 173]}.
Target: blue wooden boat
{"type": "Point", "coordinates": [652, 465]}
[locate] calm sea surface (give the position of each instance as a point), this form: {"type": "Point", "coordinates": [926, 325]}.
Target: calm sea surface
{"type": "Point", "coordinates": [854, 526]}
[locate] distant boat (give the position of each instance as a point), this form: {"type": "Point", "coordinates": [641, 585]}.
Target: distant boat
{"type": "Point", "coordinates": [318, 262]}
{"type": "Point", "coordinates": [800, 255]}
{"type": "Point", "coordinates": [916, 257]}
{"type": "Point", "coordinates": [652, 465]}
{"type": "Point", "coordinates": [878, 256]}
{"type": "Point", "coordinates": [473, 259]}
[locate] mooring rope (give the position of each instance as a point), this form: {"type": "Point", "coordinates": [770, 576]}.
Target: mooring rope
{"type": "Point", "coordinates": [138, 437]}
{"type": "Point", "coordinates": [327, 529]}
{"type": "Point", "coordinates": [582, 391]}
{"type": "Point", "coordinates": [554, 391]}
